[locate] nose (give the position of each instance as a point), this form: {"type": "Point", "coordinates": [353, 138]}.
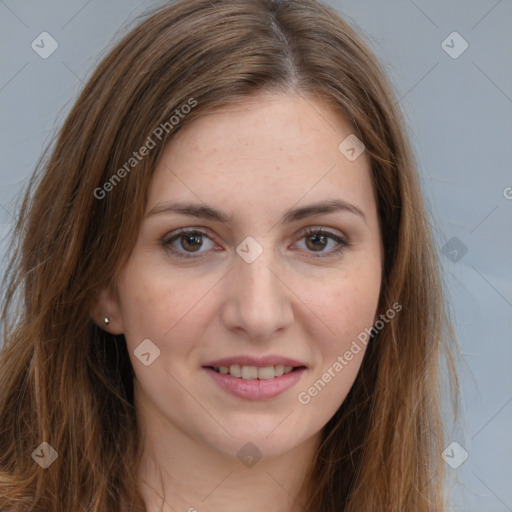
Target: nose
{"type": "Point", "coordinates": [258, 302]}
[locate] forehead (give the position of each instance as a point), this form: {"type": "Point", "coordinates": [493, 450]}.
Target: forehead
{"type": "Point", "coordinates": [270, 147]}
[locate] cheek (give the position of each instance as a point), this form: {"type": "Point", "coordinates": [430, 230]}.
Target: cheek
{"type": "Point", "coordinates": [347, 304]}
{"type": "Point", "coordinates": [160, 304]}
{"type": "Point", "coordinates": [348, 307]}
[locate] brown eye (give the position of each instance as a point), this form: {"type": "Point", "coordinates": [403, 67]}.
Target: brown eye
{"type": "Point", "coordinates": [185, 243]}
{"type": "Point", "coordinates": [192, 242]}
{"type": "Point", "coordinates": [317, 240]}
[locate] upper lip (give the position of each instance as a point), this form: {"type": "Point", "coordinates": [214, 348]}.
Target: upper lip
{"type": "Point", "coordinates": [246, 360]}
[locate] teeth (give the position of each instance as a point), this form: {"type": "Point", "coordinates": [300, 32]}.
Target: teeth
{"type": "Point", "coordinates": [249, 372]}
{"type": "Point", "coordinates": [235, 370]}
{"type": "Point", "coordinates": [266, 372]}
{"type": "Point", "coordinates": [254, 372]}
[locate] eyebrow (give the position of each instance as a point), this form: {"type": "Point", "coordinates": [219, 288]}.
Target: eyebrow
{"type": "Point", "coordinates": [293, 215]}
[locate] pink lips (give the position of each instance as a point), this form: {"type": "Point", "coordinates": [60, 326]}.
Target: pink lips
{"type": "Point", "coordinates": [255, 389]}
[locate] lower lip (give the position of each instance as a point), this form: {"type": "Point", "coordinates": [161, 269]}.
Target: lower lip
{"type": "Point", "coordinates": [256, 389]}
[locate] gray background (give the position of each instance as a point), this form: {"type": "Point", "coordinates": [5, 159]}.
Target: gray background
{"type": "Point", "coordinates": [459, 114]}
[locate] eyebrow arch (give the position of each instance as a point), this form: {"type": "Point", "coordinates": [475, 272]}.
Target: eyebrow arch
{"type": "Point", "coordinates": [209, 213]}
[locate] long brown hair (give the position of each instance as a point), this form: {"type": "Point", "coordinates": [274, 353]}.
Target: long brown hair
{"type": "Point", "coordinates": [65, 381]}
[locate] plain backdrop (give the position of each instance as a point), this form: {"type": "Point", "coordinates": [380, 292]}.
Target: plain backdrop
{"type": "Point", "coordinates": [457, 102]}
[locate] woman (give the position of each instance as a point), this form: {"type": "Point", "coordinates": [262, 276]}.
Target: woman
{"type": "Point", "coordinates": [225, 294]}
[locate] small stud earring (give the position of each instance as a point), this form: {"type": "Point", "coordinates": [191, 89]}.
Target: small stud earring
{"type": "Point", "coordinates": [107, 320]}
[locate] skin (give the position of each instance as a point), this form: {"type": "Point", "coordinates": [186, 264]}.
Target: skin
{"type": "Point", "coordinates": [254, 161]}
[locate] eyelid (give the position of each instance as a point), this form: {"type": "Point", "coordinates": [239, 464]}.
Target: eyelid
{"type": "Point", "coordinates": [174, 235]}
{"type": "Point", "coordinates": [326, 230]}
{"type": "Point", "coordinates": [341, 239]}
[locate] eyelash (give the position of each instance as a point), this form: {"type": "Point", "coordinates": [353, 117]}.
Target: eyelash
{"type": "Point", "coordinates": [167, 241]}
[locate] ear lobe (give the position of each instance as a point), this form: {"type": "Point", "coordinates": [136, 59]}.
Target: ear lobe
{"type": "Point", "coordinates": [106, 306]}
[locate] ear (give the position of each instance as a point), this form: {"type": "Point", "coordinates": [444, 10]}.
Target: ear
{"type": "Point", "coordinates": [106, 305]}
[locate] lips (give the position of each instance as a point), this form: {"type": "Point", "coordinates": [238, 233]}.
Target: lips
{"type": "Point", "coordinates": [254, 372]}
{"type": "Point", "coordinates": [261, 361]}
{"type": "Point", "coordinates": [255, 378]}
{"type": "Point", "coordinates": [249, 367]}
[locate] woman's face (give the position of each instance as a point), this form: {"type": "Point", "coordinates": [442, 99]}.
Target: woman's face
{"type": "Point", "coordinates": [248, 289]}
